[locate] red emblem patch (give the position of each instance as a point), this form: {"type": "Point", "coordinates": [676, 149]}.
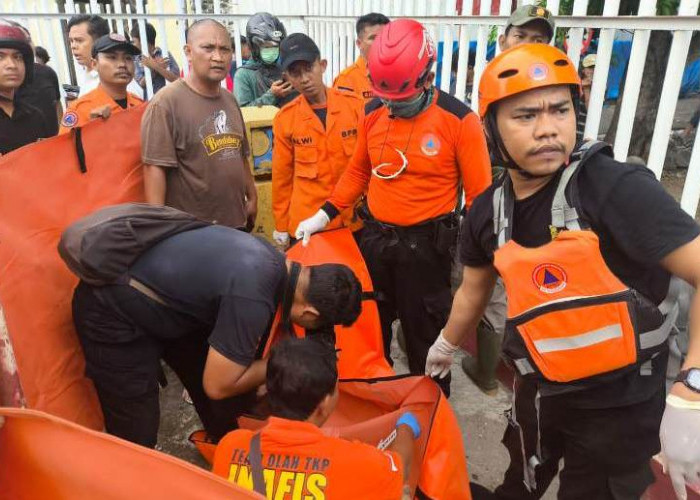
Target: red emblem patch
{"type": "Point", "coordinates": [549, 278]}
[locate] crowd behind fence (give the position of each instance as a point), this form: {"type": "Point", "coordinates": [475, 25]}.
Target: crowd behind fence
{"type": "Point", "coordinates": [454, 24]}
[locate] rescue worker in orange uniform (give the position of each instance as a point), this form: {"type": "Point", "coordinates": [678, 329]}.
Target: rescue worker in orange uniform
{"type": "Point", "coordinates": [292, 453]}
{"type": "Point", "coordinates": [114, 62]}
{"type": "Point", "coordinates": [416, 147]}
{"type": "Point", "coordinates": [587, 248]}
{"type": "Point", "coordinates": [354, 78]}
{"type": "Point", "coordinates": [314, 138]}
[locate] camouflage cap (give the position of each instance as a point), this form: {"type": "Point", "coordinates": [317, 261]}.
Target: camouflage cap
{"type": "Point", "coordinates": [529, 13]}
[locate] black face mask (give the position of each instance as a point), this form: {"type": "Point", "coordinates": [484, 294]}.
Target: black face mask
{"type": "Point", "coordinates": [411, 107]}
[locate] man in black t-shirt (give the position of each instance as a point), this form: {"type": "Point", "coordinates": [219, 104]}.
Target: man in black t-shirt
{"type": "Point", "coordinates": [203, 301]}
{"type": "Point", "coordinates": [44, 94]}
{"type": "Point", "coordinates": [556, 232]}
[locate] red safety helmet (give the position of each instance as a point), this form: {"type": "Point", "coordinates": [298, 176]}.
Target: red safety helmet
{"type": "Point", "coordinates": [14, 36]}
{"type": "Point", "coordinates": [400, 58]}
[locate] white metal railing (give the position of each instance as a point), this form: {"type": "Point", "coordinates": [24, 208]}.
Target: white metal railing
{"type": "Point", "coordinates": [331, 24]}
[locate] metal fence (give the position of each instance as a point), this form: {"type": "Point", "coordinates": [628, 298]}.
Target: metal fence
{"type": "Point", "coordinates": [331, 24]}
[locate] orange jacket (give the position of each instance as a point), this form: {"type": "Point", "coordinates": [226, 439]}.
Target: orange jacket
{"type": "Point", "coordinates": [354, 79]}
{"type": "Point", "coordinates": [78, 112]}
{"type": "Point", "coordinates": [299, 461]}
{"type": "Point", "coordinates": [308, 159]}
{"type": "Point", "coordinates": [444, 145]}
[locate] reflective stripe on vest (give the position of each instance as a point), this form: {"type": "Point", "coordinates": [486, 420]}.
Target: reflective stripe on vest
{"type": "Point", "coordinates": [578, 341]}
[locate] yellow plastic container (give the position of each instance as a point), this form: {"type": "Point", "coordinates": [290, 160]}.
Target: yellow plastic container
{"type": "Point", "coordinates": [258, 122]}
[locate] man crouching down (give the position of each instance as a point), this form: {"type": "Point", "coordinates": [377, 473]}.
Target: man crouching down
{"type": "Point", "coordinates": [291, 454]}
{"type": "Point", "coordinates": [203, 301]}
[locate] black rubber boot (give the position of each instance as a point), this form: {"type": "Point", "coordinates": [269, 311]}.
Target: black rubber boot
{"type": "Point", "coordinates": [482, 368]}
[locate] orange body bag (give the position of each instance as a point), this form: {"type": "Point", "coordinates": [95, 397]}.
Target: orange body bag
{"type": "Point", "coordinates": [371, 396]}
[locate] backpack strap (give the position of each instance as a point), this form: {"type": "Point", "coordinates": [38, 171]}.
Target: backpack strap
{"type": "Point", "coordinates": [503, 203]}
{"type": "Point", "coordinates": [565, 215]}
{"type": "Point", "coordinates": [255, 459]}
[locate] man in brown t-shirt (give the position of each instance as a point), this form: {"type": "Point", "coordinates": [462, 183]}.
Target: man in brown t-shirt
{"type": "Point", "coordinates": [193, 140]}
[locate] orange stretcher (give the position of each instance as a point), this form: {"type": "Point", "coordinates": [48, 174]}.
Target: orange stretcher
{"type": "Point", "coordinates": [43, 188]}
{"type": "Point", "coordinates": [45, 457]}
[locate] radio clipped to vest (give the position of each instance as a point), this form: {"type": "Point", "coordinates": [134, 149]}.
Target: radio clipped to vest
{"type": "Point", "coordinates": [570, 319]}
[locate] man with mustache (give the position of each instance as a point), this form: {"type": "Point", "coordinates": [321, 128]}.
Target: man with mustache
{"type": "Point", "coordinates": [83, 31]}
{"type": "Point", "coordinates": [527, 24]}
{"type": "Point", "coordinates": [114, 63]}
{"type": "Point", "coordinates": [587, 248]}
{"type": "Point", "coordinates": [20, 122]}
{"type": "Point", "coordinates": [193, 141]}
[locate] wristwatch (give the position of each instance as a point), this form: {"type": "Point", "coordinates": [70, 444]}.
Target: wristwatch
{"type": "Point", "coordinates": [690, 378]}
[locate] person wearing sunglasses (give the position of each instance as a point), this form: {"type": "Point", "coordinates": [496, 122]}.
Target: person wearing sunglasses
{"type": "Point", "coordinates": [416, 147]}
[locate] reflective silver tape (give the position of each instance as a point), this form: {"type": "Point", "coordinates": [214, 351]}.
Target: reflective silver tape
{"type": "Point", "coordinates": [660, 335]}
{"type": "Point", "coordinates": [578, 341]}
{"type": "Point", "coordinates": [523, 365]}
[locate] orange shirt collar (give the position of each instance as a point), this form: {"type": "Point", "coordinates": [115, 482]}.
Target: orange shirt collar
{"type": "Point", "coordinates": [131, 99]}
{"type": "Point", "coordinates": [292, 431]}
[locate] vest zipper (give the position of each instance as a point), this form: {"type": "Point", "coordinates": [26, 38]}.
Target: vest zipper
{"type": "Point", "coordinates": [569, 304]}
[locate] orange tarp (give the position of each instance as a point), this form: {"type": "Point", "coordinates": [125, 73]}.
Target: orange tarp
{"type": "Point", "coordinates": [367, 411]}
{"type": "Point", "coordinates": [44, 457]}
{"type": "Point", "coordinates": [371, 396]}
{"type": "Point", "coordinates": [361, 352]}
{"type": "Point", "coordinates": [42, 190]}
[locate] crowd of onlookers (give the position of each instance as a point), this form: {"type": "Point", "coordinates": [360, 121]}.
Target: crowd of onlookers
{"type": "Point", "coordinates": [258, 82]}
{"type": "Point", "coordinates": [38, 97]}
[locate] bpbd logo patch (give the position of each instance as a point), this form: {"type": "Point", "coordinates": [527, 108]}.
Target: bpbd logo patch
{"type": "Point", "coordinates": [538, 71]}
{"type": "Point", "coordinates": [549, 278]}
{"type": "Point", "coordinates": [430, 145]}
{"type": "Point", "coordinates": [70, 119]}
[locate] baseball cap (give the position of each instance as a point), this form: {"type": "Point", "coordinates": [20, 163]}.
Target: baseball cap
{"type": "Point", "coordinates": [297, 47]}
{"type": "Point", "coordinates": [114, 41]}
{"type": "Point", "coordinates": [529, 13]}
{"type": "Point", "coordinates": [588, 61]}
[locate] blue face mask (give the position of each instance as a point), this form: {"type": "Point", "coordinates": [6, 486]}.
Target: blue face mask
{"type": "Point", "coordinates": [269, 55]}
{"type": "Point", "coordinates": [411, 107]}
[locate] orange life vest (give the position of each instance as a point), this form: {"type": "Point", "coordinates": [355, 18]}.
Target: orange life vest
{"type": "Point", "coordinates": [569, 317]}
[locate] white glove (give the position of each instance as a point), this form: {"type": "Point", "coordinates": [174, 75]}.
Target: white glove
{"type": "Point", "coordinates": [313, 224]}
{"type": "Point", "coordinates": [680, 443]}
{"type": "Point", "coordinates": [281, 238]}
{"type": "Point", "coordinates": [440, 357]}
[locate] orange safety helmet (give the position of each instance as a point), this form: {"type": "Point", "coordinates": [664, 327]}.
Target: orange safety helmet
{"type": "Point", "coordinates": [522, 68]}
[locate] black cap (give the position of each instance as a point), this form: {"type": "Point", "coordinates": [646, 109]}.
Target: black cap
{"type": "Point", "coordinates": [114, 41]}
{"type": "Point", "coordinates": [297, 47]}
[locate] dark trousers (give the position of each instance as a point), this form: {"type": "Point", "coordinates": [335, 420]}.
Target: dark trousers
{"type": "Point", "coordinates": [606, 451]}
{"type": "Point", "coordinates": [124, 335]}
{"type": "Point", "coordinates": [412, 281]}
